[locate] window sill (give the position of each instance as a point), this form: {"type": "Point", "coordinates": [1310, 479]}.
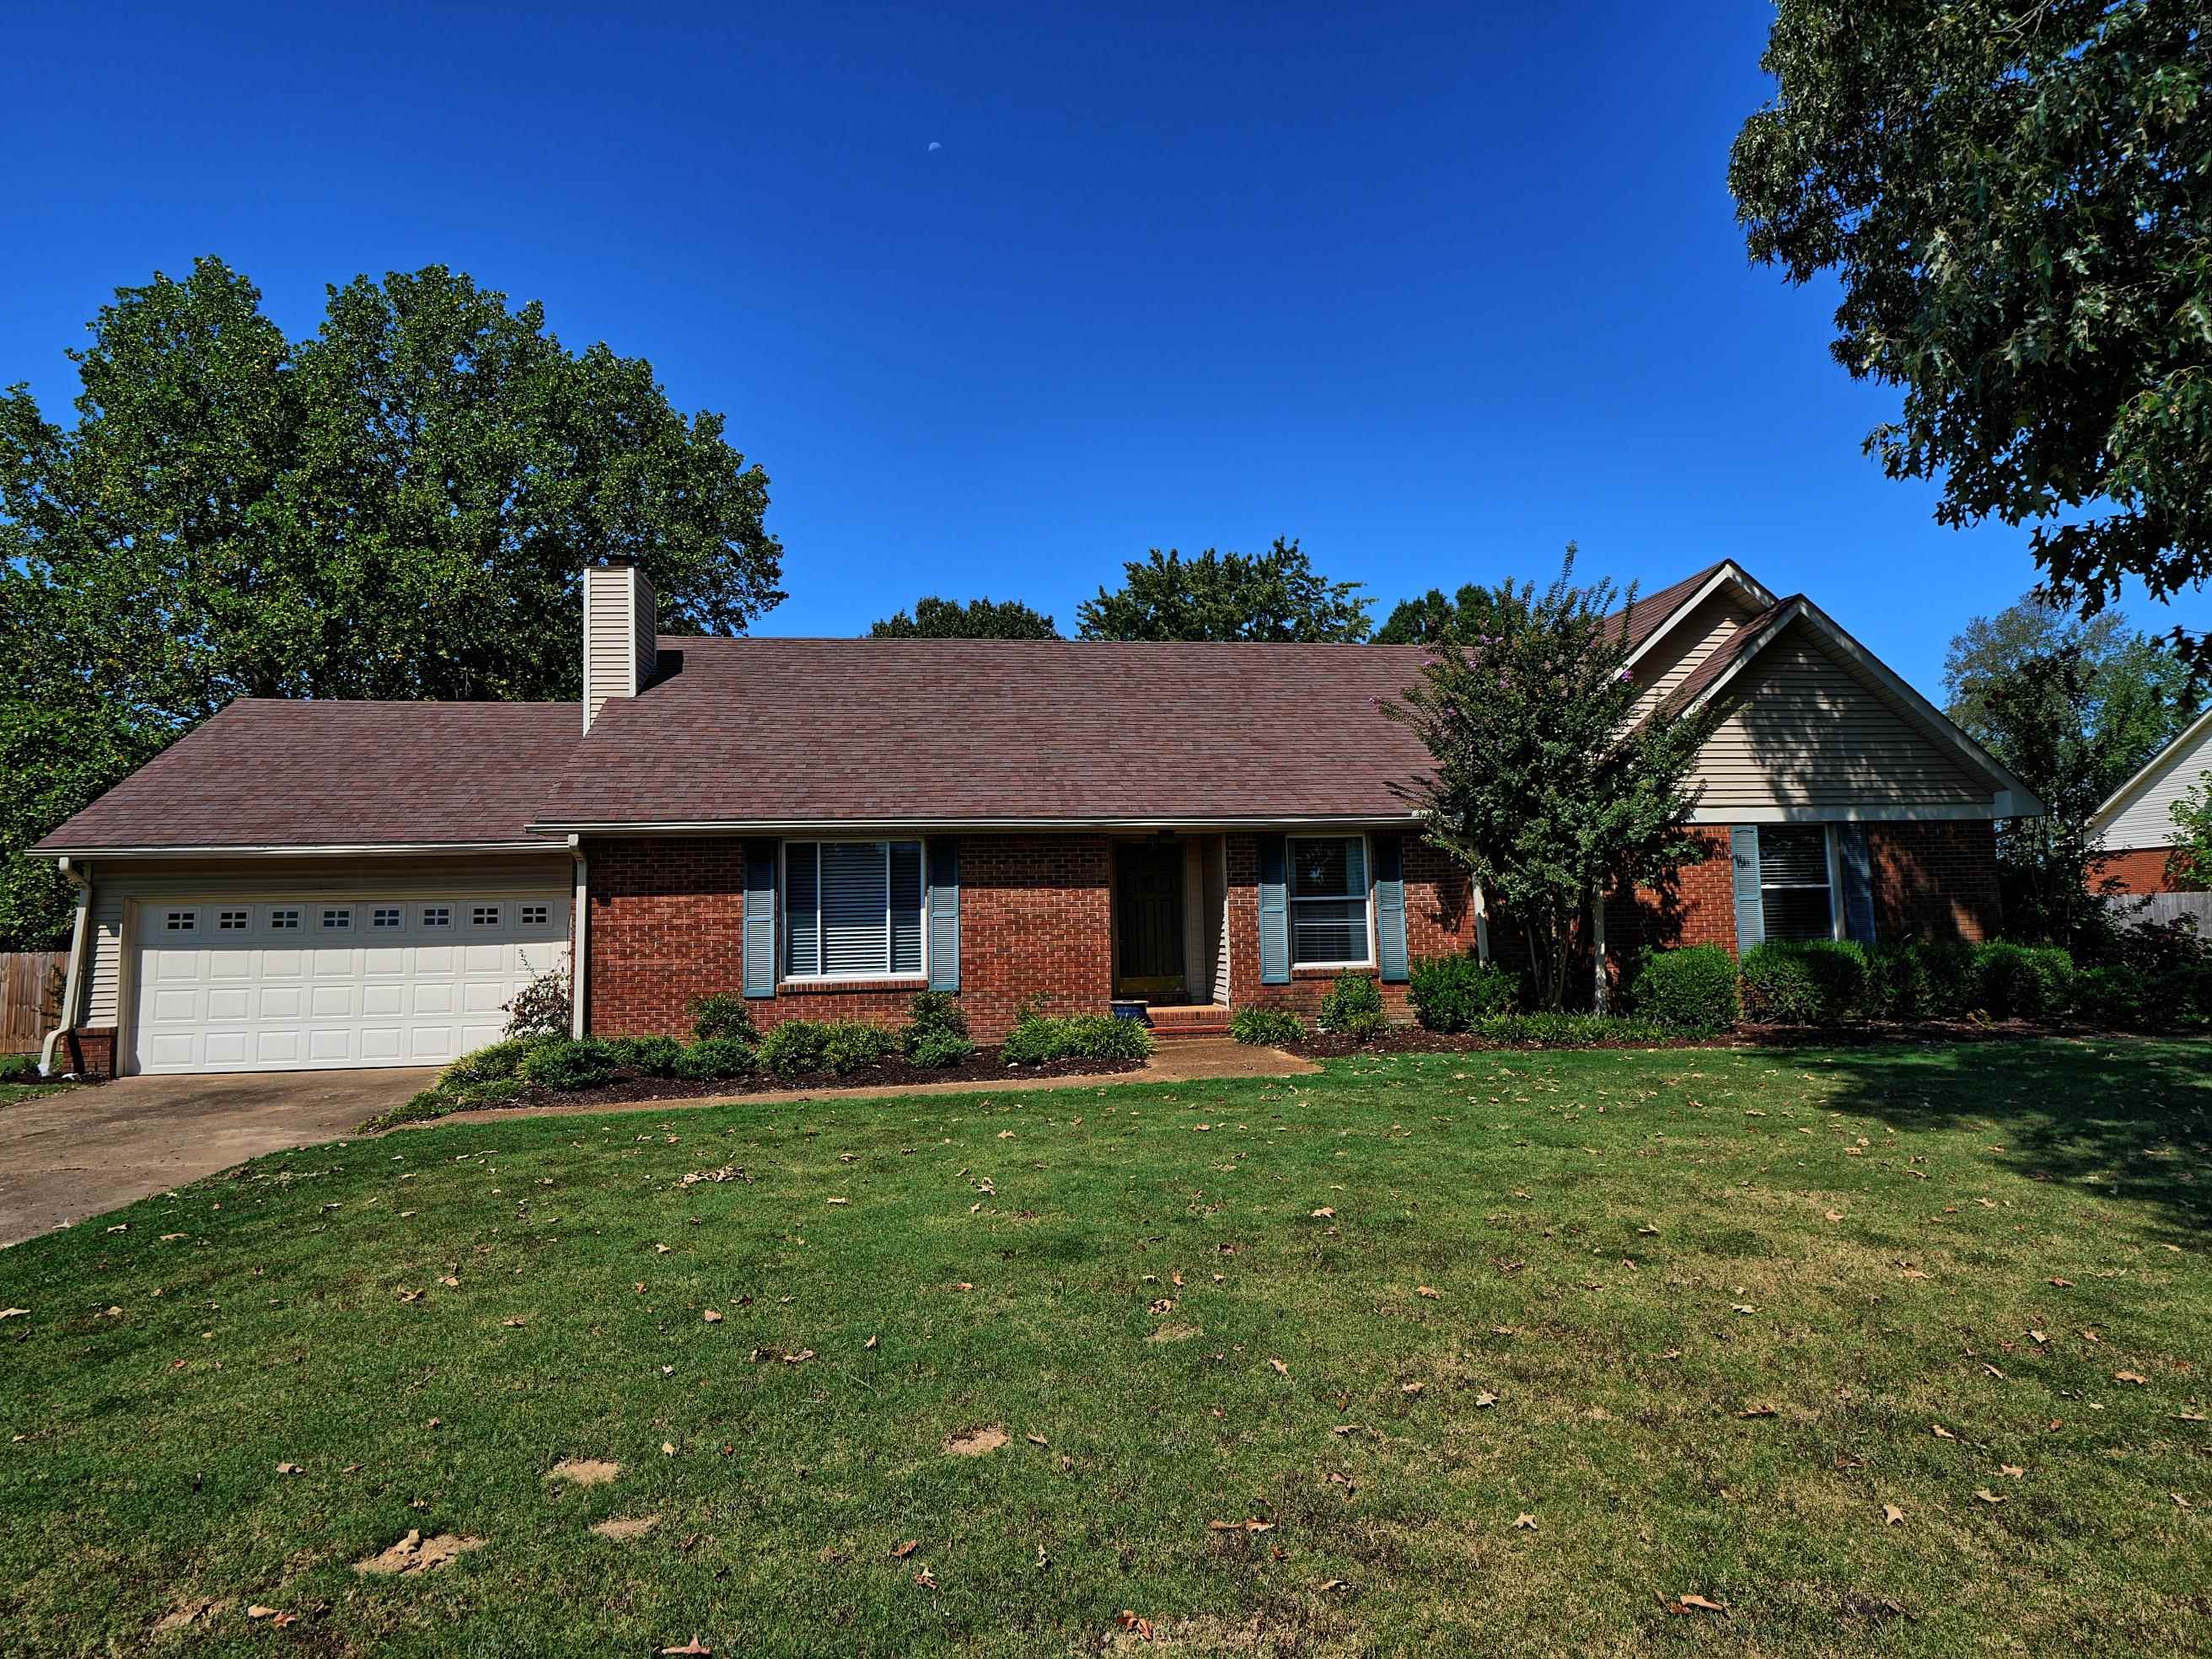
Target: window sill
{"type": "Point", "coordinates": [808, 987]}
{"type": "Point", "coordinates": [1329, 970]}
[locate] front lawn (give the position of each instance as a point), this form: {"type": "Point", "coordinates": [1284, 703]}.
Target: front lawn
{"type": "Point", "coordinates": [1895, 1350]}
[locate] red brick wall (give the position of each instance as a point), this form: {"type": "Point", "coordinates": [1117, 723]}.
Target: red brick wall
{"type": "Point", "coordinates": [666, 919]}
{"type": "Point", "coordinates": [1439, 920]}
{"type": "Point", "coordinates": [1935, 880]}
{"type": "Point", "coordinates": [2138, 870]}
{"type": "Point", "coordinates": [89, 1051]}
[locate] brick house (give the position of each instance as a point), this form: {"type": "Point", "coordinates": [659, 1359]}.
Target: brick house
{"type": "Point", "coordinates": [2134, 830]}
{"type": "Point", "coordinates": [829, 826]}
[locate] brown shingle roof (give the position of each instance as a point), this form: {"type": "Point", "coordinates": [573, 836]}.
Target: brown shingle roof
{"type": "Point", "coordinates": [269, 773]}
{"type": "Point", "coordinates": [1656, 609]}
{"type": "Point", "coordinates": [767, 731]}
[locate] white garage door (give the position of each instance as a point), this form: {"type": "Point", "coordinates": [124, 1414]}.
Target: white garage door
{"type": "Point", "coordinates": [277, 985]}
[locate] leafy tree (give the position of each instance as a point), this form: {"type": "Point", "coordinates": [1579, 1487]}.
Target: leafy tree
{"type": "Point", "coordinates": [1275, 595]}
{"type": "Point", "coordinates": [1464, 616]}
{"type": "Point", "coordinates": [2015, 200]}
{"type": "Point", "coordinates": [398, 505]}
{"type": "Point", "coordinates": [1545, 784]}
{"type": "Point", "coordinates": [977, 619]}
{"type": "Point", "coordinates": [2075, 709]}
{"type": "Point", "coordinates": [2192, 839]}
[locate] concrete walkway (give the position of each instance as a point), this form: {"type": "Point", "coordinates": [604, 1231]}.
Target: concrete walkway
{"type": "Point", "coordinates": [1185, 1060]}
{"type": "Point", "coordinates": [79, 1153]}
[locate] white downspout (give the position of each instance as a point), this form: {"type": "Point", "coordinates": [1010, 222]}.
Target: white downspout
{"type": "Point", "coordinates": [1481, 927]}
{"type": "Point", "coordinates": [581, 955]}
{"type": "Point", "coordinates": [73, 976]}
{"type": "Point", "coordinates": [1601, 991]}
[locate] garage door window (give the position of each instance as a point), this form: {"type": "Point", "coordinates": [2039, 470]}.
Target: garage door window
{"type": "Point", "coordinates": [338, 920]}
{"type": "Point", "coordinates": [284, 922]}
{"type": "Point", "coordinates": [180, 921]}
{"type": "Point", "coordinates": [534, 915]}
{"type": "Point", "coordinates": [484, 916]}
{"type": "Point", "coordinates": [230, 921]}
{"type": "Point", "coordinates": [437, 915]}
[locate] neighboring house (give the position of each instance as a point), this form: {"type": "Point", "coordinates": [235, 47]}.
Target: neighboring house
{"type": "Point", "coordinates": [2135, 831]}
{"type": "Point", "coordinates": [829, 826]}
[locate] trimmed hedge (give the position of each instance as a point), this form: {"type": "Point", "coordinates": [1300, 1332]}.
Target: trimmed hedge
{"type": "Point", "coordinates": [648, 1056]}
{"type": "Point", "coordinates": [2023, 982]}
{"type": "Point", "coordinates": [713, 1058]}
{"type": "Point", "coordinates": [1547, 1030]}
{"type": "Point", "coordinates": [1804, 981]}
{"type": "Point", "coordinates": [936, 1030]}
{"type": "Point", "coordinates": [1038, 1038]}
{"type": "Point", "coordinates": [1265, 1027]}
{"type": "Point", "coordinates": [1450, 993]}
{"type": "Point", "coordinates": [722, 1014]}
{"type": "Point", "coordinates": [570, 1063]}
{"type": "Point", "coordinates": [939, 1048]}
{"type": "Point", "coordinates": [1690, 990]}
{"type": "Point", "coordinates": [1354, 1006]}
{"type": "Point", "coordinates": [837, 1046]}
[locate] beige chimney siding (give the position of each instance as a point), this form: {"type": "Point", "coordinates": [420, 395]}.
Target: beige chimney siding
{"type": "Point", "coordinates": [1806, 730]}
{"type": "Point", "coordinates": [620, 620]}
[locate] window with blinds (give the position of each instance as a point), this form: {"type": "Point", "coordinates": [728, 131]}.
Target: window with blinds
{"type": "Point", "coordinates": [852, 909]}
{"type": "Point", "coordinates": [1795, 896]}
{"type": "Point", "coordinates": [1328, 902]}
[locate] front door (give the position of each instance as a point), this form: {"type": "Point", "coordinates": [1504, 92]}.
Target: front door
{"type": "Point", "coordinates": [1148, 919]}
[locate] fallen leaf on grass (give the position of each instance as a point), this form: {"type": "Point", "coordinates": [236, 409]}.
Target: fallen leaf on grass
{"type": "Point", "coordinates": [905, 1549]}
{"type": "Point", "coordinates": [450, 1281]}
{"type": "Point", "coordinates": [1891, 1515]}
{"type": "Point", "coordinates": [1140, 1628]}
{"type": "Point", "coordinates": [692, 1650]}
{"type": "Point", "coordinates": [1942, 1433]}
{"type": "Point", "coordinates": [1412, 1387]}
{"type": "Point", "coordinates": [289, 1468]}
{"type": "Point", "coordinates": [1702, 1604]}
{"type": "Point", "coordinates": [2063, 1283]}
{"type": "Point", "coordinates": [1524, 1522]}
{"type": "Point", "coordinates": [668, 1448]}
{"type": "Point", "coordinates": [1240, 1526]}
{"type": "Point", "coordinates": [925, 1578]}
{"type": "Point", "coordinates": [1484, 1399]}
{"type": "Point", "coordinates": [1324, 1214]}
{"type": "Point", "coordinates": [711, 1317]}
{"type": "Point", "coordinates": [2011, 1471]}
{"type": "Point", "coordinates": [1036, 1440]}
{"type": "Point", "coordinates": [1279, 1368]}
{"type": "Point", "coordinates": [2136, 1377]}
{"type": "Point", "coordinates": [13, 1312]}
{"type": "Point", "coordinates": [2180, 1501]}
{"type": "Point", "coordinates": [870, 1343]}
{"type": "Point", "coordinates": [1987, 1496]}
{"type": "Point", "coordinates": [515, 1323]}
{"type": "Point", "coordinates": [1423, 1289]}
{"type": "Point", "coordinates": [1329, 1585]}
{"type": "Point", "coordinates": [1757, 1411]}
{"type": "Point", "coordinates": [799, 1358]}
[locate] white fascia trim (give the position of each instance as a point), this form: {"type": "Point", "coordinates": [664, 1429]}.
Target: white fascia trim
{"type": "Point", "coordinates": [327, 850]}
{"type": "Point", "coordinates": [1968, 812]}
{"type": "Point", "coordinates": [855, 827]}
{"type": "Point", "coordinates": [1729, 574]}
{"type": "Point", "coordinates": [2011, 798]}
{"type": "Point", "coordinates": [2125, 795]}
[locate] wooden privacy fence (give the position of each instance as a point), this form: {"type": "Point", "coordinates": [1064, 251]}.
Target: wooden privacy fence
{"type": "Point", "coordinates": [30, 997]}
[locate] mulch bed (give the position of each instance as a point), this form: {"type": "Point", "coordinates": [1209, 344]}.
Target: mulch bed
{"type": "Point", "coordinates": [1412, 1040]}
{"type": "Point", "coordinates": [984, 1066]}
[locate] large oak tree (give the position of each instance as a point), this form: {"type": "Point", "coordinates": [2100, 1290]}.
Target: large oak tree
{"type": "Point", "coordinates": [398, 505]}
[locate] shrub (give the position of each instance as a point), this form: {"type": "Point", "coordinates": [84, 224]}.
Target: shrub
{"type": "Point", "coordinates": [1039, 1038]}
{"type": "Point", "coordinates": [566, 1063]}
{"type": "Point", "coordinates": [1953, 985]}
{"type": "Point", "coordinates": [2023, 982]}
{"type": "Point", "coordinates": [934, 1014]}
{"type": "Point", "coordinates": [799, 1046]}
{"type": "Point", "coordinates": [1265, 1027]}
{"type": "Point", "coordinates": [648, 1056]}
{"type": "Point", "coordinates": [1900, 985]}
{"type": "Point", "coordinates": [1550, 1030]}
{"type": "Point", "coordinates": [721, 1014]}
{"type": "Point", "coordinates": [18, 1068]}
{"type": "Point", "coordinates": [1451, 993]}
{"type": "Point", "coordinates": [1804, 981]}
{"type": "Point", "coordinates": [1690, 990]}
{"type": "Point", "coordinates": [2118, 996]}
{"type": "Point", "coordinates": [1352, 996]}
{"type": "Point", "coordinates": [1361, 1023]}
{"type": "Point", "coordinates": [712, 1058]}
{"type": "Point", "coordinates": [2176, 999]}
{"type": "Point", "coordinates": [542, 1007]}
{"type": "Point", "coordinates": [492, 1064]}
{"type": "Point", "coordinates": [941, 1047]}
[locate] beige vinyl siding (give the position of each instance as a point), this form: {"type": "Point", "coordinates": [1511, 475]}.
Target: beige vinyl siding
{"type": "Point", "coordinates": [256, 881]}
{"type": "Point", "coordinates": [1687, 642]}
{"type": "Point", "coordinates": [1805, 730]}
{"type": "Point", "coordinates": [610, 637]}
{"type": "Point", "coordinates": [2146, 820]}
{"type": "Point", "coordinates": [644, 628]}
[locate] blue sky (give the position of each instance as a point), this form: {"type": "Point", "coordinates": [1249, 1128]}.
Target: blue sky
{"type": "Point", "coordinates": [1433, 289]}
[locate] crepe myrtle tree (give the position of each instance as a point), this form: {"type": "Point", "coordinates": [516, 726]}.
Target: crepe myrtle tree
{"type": "Point", "coordinates": [1545, 784]}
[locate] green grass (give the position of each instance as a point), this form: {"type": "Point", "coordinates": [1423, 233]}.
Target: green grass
{"type": "Point", "coordinates": [10, 1093]}
{"type": "Point", "coordinates": [1652, 1231]}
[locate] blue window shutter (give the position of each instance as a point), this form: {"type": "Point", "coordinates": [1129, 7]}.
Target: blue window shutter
{"type": "Point", "coordinates": [1857, 864]}
{"type": "Point", "coordinates": [1274, 911]}
{"type": "Point", "coordinates": [1391, 910]}
{"type": "Point", "coordinates": [1750, 912]}
{"type": "Point", "coordinates": [760, 919]}
{"type": "Point", "coordinates": [944, 913]}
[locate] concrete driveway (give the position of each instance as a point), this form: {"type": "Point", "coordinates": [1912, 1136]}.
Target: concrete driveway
{"type": "Point", "coordinates": [80, 1152]}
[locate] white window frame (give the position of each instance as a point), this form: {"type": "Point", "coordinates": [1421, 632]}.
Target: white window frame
{"type": "Point", "coordinates": [1291, 900]}
{"type": "Point", "coordinates": [1836, 918]}
{"type": "Point", "coordinates": [783, 909]}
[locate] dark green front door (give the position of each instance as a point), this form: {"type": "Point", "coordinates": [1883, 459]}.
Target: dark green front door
{"type": "Point", "coordinates": [1148, 918]}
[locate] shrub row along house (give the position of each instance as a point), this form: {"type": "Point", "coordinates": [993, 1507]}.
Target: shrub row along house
{"type": "Point", "coordinates": [828, 825]}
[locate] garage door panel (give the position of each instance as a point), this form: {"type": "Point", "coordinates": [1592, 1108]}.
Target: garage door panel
{"type": "Point", "coordinates": [276, 982]}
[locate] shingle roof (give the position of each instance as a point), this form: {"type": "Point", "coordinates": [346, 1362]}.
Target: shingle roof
{"type": "Point", "coordinates": [1656, 609]}
{"type": "Point", "coordinates": [803, 731]}
{"type": "Point", "coordinates": [271, 772]}
{"type": "Point", "coordinates": [1748, 634]}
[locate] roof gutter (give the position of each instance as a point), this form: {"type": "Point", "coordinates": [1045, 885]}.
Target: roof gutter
{"type": "Point", "coordinates": [73, 976]}
{"type": "Point", "coordinates": [319, 850]}
{"type": "Point", "coordinates": [847, 825]}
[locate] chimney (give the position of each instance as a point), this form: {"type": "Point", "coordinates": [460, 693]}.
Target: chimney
{"type": "Point", "coordinates": [621, 617]}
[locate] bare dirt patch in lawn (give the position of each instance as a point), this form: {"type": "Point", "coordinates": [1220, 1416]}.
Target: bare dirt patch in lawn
{"type": "Point", "coordinates": [188, 1613]}
{"type": "Point", "coordinates": [975, 1443]}
{"type": "Point", "coordinates": [584, 1471]}
{"type": "Point", "coordinates": [1175, 1333]}
{"type": "Point", "coordinates": [416, 1553]}
{"type": "Point", "coordinates": [622, 1529]}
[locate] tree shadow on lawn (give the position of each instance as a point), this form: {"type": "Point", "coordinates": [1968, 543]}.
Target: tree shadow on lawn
{"type": "Point", "coordinates": [2114, 1117]}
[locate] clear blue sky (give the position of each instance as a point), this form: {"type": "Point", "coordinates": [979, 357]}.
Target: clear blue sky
{"type": "Point", "coordinates": [1002, 296]}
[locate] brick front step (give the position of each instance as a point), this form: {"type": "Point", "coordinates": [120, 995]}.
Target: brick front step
{"type": "Point", "coordinates": [1182, 1033]}
{"type": "Point", "coordinates": [1201, 1019]}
